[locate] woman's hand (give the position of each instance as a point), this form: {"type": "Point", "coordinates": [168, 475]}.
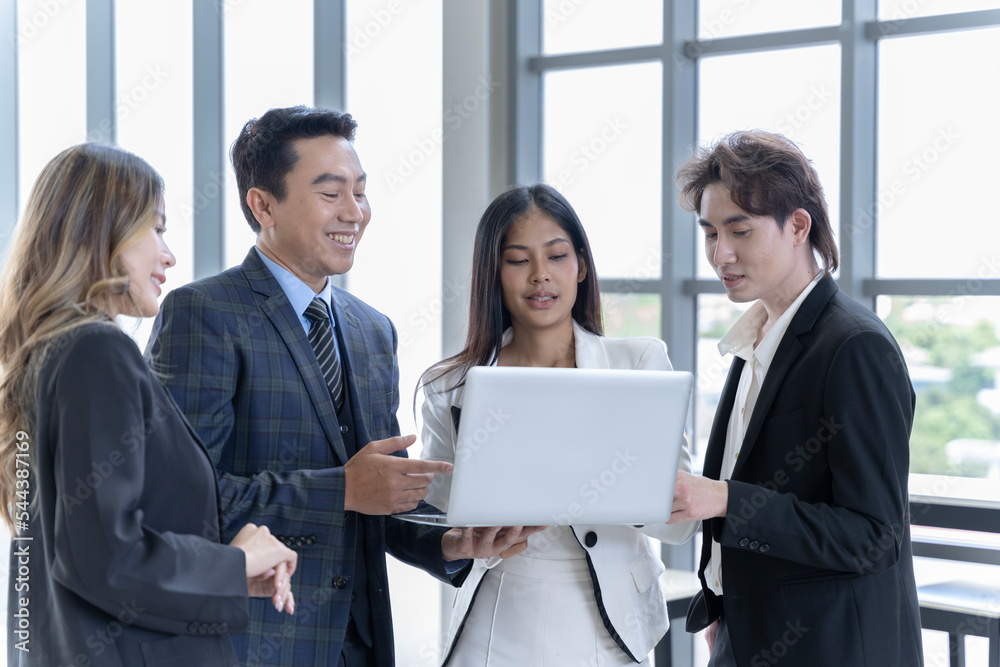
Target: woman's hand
{"type": "Point", "coordinates": [270, 565]}
{"type": "Point", "coordinates": [459, 543]}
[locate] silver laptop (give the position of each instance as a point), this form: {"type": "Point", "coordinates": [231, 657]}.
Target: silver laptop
{"type": "Point", "coordinates": [560, 446]}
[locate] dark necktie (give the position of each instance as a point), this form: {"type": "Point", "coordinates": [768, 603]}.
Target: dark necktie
{"type": "Point", "coordinates": [321, 339]}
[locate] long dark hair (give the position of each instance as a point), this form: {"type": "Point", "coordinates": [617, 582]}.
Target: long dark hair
{"type": "Point", "coordinates": [488, 317]}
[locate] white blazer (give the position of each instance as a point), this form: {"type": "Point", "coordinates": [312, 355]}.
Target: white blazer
{"type": "Point", "coordinates": [625, 563]}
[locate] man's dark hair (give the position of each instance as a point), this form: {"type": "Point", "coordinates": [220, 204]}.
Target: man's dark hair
{"type": "Point", "coordinates": [263, 153]}
{"type": "Point", "coordinates": [766, 174]}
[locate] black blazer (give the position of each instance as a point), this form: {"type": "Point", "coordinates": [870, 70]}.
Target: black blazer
{"type": "Point", "coordinates": [816, 561]}
{"type": "Point", "coordinates": [124, 565]}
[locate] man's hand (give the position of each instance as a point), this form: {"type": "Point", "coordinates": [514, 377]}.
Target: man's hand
{"type": "Point", "coordinates": [379, 483]}
{"type": "Point", "coordinates": [459, 543]}
{"type": "Point", "coordinates": [697, 498]}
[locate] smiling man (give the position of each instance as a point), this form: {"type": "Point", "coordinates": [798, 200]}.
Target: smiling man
{"type": "Point", "coordinates": [806, 556]}
{"type": "Point", "coordinates": [292, 385]}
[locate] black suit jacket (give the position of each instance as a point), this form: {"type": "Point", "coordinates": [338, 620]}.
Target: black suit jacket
{"type": "Point", "coordinates": [123, 567]}
{"type": "Point", "coordinates": [816, 561]}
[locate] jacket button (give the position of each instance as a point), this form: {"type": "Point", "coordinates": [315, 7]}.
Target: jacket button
{"type": "Point", "coordinates": [591, 539]}
{"type": "Point", "coordinates": [311, 540]}
{"type": "Point", "coordinates": [744, 542]}
{"type": "Point", "coordinates": [344, 429]}
{"type": "Point", "coordinates": [300, 541]}
{"type": "Point", "coordinates": [754, 544]}
{"type": "Point", "coordinates": [339, 583]}
{"type": "Point", "coordinates": [193, 627]}
{"type": "Point", "coordinates": [223, 627]}
{"type": "Point", "coordinates": [764, 548]}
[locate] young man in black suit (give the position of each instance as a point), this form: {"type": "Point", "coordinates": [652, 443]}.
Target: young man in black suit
{"type": "Point", "coordinates": [806, 557]}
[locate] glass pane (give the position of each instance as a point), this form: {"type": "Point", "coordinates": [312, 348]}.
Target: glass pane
{"type": "Point", "coordinates": [394, 63]}
{"type": "Point", "coordinates": [952, 351]}
{"type": "Point", "coordinates": [269, 63]}
{"type": "Point", "coordinates": [154, 84]}
{"type": "Point", "coordinates": [799, 97]}
{"type": "Point", "coordinates": [716, 315]}
{"type": "Point", "coordinates": [895, 10]}
{"type": "Point", "coordinates": [52, 81]}
{"type": "Point", "coordinates": [938, 96]}
{"type": "Point", "coordinates": [631, 314]}
{"type": "Point", "coordinates": [728, 18]}
{"type": "Point", "coordinates": [602, 151]}
{"type": "Point", "coordinates": [596, 25]}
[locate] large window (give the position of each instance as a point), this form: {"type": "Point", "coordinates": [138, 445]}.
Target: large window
{"type": "Point", "coordinates": [907, 216]}
{"type": "Point", "coordinates": [892, 101]}
{"type": "Point", "coordinates": [394, 90]}
{"type": "Point", "coordinates": [131, 72]}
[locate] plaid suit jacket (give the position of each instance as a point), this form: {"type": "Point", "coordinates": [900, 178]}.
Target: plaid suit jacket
{"type": "Point", "coordinates": [234, 355]}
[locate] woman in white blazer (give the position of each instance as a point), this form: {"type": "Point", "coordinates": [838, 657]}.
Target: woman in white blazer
{"type": "Point", "coordinates": [574, 594]}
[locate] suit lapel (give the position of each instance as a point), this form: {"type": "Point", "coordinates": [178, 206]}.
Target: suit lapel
{"type": "Point", "coordinates": [354, 346]}
{"type": "Point", "coordinates": [276, 307]}
{"type": "Point", "coordinates": [590, 352]}
{"type": "Point", "coordinates": [720, 425]}
{"type": "Point", "coordinates": [788, 351]}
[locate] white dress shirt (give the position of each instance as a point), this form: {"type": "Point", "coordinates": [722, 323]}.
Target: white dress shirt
{"type": "Point", "coordinates": [739, 341]}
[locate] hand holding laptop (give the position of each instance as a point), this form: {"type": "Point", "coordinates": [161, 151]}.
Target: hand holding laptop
{"type": "Point", "coordinates": [459, 543]}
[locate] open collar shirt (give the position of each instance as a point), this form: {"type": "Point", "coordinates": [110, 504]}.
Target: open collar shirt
{"type": "Point", "coordinates": [739, 341]}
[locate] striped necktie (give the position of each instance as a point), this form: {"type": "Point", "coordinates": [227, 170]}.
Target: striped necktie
{"type": "Point", "coordinates": [321, 339]}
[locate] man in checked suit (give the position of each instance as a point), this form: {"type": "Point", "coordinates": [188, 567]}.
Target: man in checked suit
{"type": "Point", "coordinates": [806, 556]}
{"type": "Point", "coordinates": [292, 384]}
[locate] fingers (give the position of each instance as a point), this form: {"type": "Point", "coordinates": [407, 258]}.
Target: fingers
{"type": "Point", "coordinates": [423, 467]}
{"type": "Point", "coordinates": [390, 445]}
{"type": "Point", "coordinates": [279, 582]}
{"type": "Point", "coordinates": [514, 549]}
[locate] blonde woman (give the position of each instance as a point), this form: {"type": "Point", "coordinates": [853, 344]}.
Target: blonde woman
{"type": "Point", "coordinates": [112, 498]}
